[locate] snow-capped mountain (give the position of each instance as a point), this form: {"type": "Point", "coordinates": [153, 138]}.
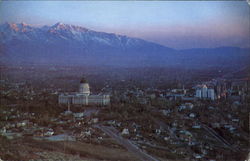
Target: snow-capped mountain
{"type": "Point", "coordinates": [69, 33]}
{"type": "Point", "coordinates": [62, 42]}
{"type": "Point", "coordinates": [74, 45]}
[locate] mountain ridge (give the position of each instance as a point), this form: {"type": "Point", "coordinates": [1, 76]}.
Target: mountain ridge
{"type": "Point", "coordinates": [64, 43]}
{"type": "Point", "coordinates": [60, 25]}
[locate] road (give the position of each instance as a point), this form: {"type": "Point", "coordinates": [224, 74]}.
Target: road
{"type": "Point", "coordinates": [218, 137]}
{"type": "Point", "coordinates": [126, 143]}
{"type": "Point", "coordinates": [172, 134]}
{"type": "Point", "coordinates": [88, 112]}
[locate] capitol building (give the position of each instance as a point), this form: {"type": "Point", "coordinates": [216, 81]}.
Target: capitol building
{"type": "Point", "coordinates": [83, 97]}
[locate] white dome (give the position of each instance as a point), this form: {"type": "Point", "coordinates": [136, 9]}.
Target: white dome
{"type": "Point", "coordinates": [84, 88]}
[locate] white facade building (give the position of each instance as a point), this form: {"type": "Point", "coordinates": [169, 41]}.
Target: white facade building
{"type": "Point", "coordinates": [202, 92]}
{"type": "Point", "coordinates": [83, 97]}
{"type": "Point", "coordinates": [211, 94]}
{"type": "Point", "coordinates": [198, 93]}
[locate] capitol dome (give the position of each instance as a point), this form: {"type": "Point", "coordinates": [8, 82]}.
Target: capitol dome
{"type": "Point", "coordinates": [84, 87]}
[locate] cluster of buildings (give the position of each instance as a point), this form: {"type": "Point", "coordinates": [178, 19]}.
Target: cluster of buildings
{"type": "Point", "coordinates": [204, 92]}
{"type": "Point", "coordinates": [216, 89]}
{"type": "Point", "coordinates": [212, 90]}
{"type": "Point", "coordinates": [238, 89]}
{"type": "Point", "coordinates": [83, 97]}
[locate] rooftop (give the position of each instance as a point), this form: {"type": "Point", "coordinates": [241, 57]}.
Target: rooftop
{"type": "Point", "coordinates": [83, 80]}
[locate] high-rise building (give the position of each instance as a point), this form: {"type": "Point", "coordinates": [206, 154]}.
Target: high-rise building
{"type": "Point", "coordinates": [211, 94]}
{"type": "Point", "coordinates": [204, 91]}
{"type": "Point", "coordinates": [198, 93]}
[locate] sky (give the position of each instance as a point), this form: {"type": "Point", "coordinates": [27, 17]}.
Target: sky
{"type": "Point", "coordinates": [176, 24]}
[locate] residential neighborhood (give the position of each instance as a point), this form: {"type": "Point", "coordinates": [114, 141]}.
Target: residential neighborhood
{"type": "Point", "coordinates": [140, 123]}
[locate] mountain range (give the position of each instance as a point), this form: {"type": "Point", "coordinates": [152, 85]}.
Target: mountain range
{"type": "Point", "coordinates": [74, 45]}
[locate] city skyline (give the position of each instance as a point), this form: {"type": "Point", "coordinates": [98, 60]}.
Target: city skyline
{"type": "Point", "coordinates": [178, 25]}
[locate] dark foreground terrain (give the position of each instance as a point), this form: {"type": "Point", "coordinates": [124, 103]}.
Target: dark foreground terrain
{"type": "Point", "coordinates": [143, 122]}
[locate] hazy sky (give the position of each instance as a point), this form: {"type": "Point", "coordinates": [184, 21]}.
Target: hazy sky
{"type": "Point", "coordinates": [171, 23]}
